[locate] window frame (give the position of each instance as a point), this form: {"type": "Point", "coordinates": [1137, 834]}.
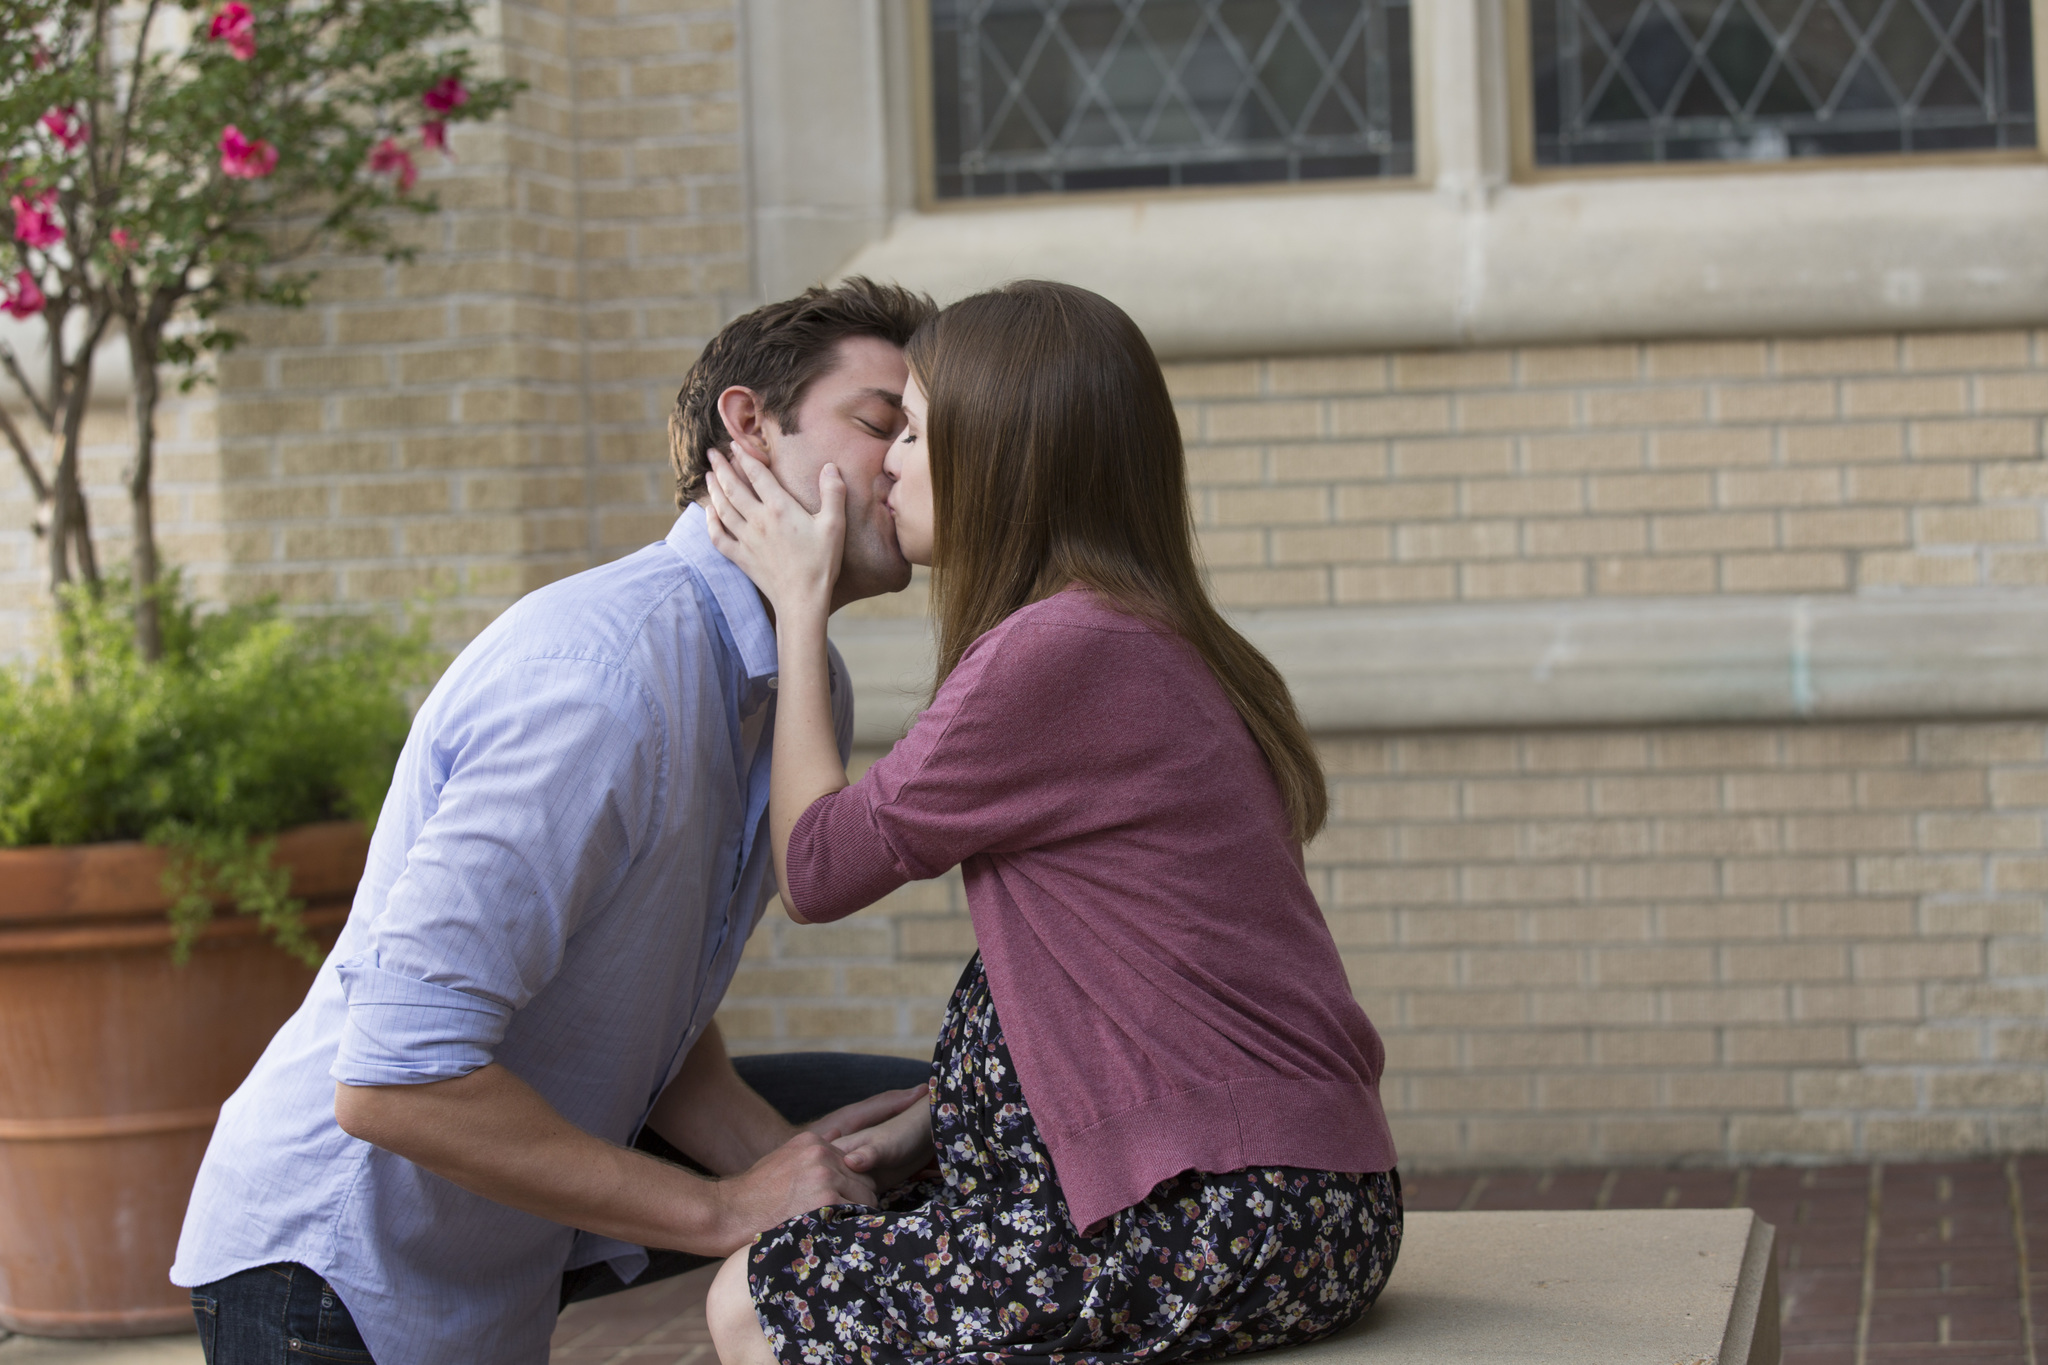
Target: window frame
{"type": "Point", "coordinates": [1524, 169]}
{"type": "Point", "coordinates": [1460, 255]}
{"type": "Point", "coordinates": [926, 154]}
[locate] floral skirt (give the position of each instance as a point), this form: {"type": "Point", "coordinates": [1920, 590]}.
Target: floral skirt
{"type": "Point", "coordinates": [985, 1265]}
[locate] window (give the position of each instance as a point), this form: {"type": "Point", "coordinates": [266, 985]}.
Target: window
{"type": "Point", "coordinates": [1035, 96]}
{"type": "Point", "coordinates": [1767, 80]}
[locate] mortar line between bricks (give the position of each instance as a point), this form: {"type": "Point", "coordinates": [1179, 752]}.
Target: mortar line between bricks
{"type": "Point", "coordinates": [2019, 1243]}
{"type": "Point", "coordinates": [1873, 1228]}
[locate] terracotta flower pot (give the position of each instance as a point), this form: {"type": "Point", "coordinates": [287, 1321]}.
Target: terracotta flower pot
{"type": "Point", "coordinates": [114, 1064]}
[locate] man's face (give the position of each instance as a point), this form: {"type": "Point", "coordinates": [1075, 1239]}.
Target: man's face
{"type": "Point", "coordinates": [849, 417]}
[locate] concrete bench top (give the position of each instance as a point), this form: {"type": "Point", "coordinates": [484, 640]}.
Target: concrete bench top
{"type": "Point", "coordinates": [1627, 1287]}
{"type": "Point", "coordinates": [1676, 1287]}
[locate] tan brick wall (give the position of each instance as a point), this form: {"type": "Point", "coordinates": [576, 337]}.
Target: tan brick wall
{"type": "Point", "coordinates": [1748, 943]}
{"type": "Point", "coordinates": [1840, 465]}
{"type": "Point", "coordinates": [489, 417]}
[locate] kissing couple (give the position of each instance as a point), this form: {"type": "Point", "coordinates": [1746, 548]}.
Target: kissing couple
{"type": "Point", "coordinates": [1150, 1129]}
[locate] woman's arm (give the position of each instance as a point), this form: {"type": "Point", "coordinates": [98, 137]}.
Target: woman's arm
{"type": "Point", "coordinates": [807, 762]}
{"type": "Point", "coordinates": [793, 558]}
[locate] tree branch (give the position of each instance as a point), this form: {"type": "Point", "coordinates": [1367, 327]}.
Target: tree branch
{"type": "Point", "coordinates": [14, 372]}
{"type": "Point", "coordinates": [69, 525]}
{"type": "Point", "coordinates": [28, 460]}
{"type": "Point", "coordinates": [102, 62]}
{"type": "Point", "coordinates": [55, 313]}
{"type": "Point", "coordinates": [132, 103]}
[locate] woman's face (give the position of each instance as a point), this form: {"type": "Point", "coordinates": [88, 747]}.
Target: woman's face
{"type": "Point", "coordinates": [909, 464]}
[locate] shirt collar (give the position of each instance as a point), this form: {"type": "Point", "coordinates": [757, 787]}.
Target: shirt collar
{"type": "Point", "coordinates": [739, 601]}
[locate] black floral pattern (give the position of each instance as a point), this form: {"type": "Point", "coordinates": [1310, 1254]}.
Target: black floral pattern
{"type": "Point", "coordinates": [985, 1265]}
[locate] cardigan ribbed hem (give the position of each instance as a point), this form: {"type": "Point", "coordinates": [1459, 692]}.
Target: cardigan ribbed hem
{"type": "Point", "coordinates": [1259, 1121]}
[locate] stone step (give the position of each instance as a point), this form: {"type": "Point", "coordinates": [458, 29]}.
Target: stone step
{"type": "Point", "coordinates": [1624, 1287]}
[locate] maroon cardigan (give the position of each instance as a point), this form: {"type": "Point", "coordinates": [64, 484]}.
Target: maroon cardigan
{"type": "Point", "coordinates": [1169, 991]}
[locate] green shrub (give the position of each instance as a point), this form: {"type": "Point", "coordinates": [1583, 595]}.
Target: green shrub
{"type": "Point", "coordinates": [251, 723]}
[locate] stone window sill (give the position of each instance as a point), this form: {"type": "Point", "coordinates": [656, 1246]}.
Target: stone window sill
{"type": "Point", "coordinates": [1373, 268]}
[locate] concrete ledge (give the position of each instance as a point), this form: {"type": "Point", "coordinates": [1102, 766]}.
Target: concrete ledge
{"type": "Point", "coordinates": [1663, 1287]}
{"type": "Point", "coordinates": [1386, 267]}
{"type": "Point", "coordinates": [1625, 662]}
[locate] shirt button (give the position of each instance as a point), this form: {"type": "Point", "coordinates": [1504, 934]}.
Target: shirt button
{"type": "Point", "coordinates": [774, 682]}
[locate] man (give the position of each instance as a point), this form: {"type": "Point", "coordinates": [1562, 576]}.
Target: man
{"type": "Point", "coordinates": [569, 861]}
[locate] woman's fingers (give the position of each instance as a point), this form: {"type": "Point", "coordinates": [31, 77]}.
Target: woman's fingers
{"type": "Point", "coordinates": [761, 482]}
{"type": "Point", "coordinates": [831, 499]}
{"type": "Point", "coordinates": [722, 510]}
{"type": "Point", "coordinates": [855, 1119]}
{"type": "Point", "coordinates": [730, 490]}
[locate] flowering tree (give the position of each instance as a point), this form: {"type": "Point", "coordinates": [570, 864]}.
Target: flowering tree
{"type": "Point", "coordinates": [162, 162]}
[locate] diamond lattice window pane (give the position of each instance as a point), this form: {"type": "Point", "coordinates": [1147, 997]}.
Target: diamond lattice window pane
{"type": "Point", "coordinates": [1030, 96]}
{"type": "Point", "coordinates": [1763, 80]}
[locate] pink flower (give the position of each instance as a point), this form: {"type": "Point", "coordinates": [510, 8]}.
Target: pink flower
{"type": "Point", "coordinates": [235, 24]}
{"type": "Point", "coordinates": [121, 241]}
{"type": "Point", "coordinates": [35, 221]}
{"type": "Point", "coordinates": [443, 96]}
{"type": "Point", "coordinates": [388, 158]}
{"type": "Point", "coordinates": [22, 299]}
{"type": "Point", "coordinates": [244, 158]}
{"type": "Point", "coordinates": [446, 94]}
{"type": "Point", "coordinates": [66, 126]}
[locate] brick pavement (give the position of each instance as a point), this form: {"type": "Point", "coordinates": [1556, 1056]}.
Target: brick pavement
{"type": "Point", "coordinates": [1927, 1263]}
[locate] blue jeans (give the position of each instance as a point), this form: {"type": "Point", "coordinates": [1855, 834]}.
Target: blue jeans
{"type": "Point", "coordinates": [283, 1313]}
{"type": "Point", "coordinates": [275, 1314]}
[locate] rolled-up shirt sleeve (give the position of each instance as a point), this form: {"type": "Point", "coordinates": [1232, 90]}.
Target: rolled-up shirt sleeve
{"type": "Point", "coordinates": [402, 1030]}
{"type": "Point", "coordinates": [548, 791]}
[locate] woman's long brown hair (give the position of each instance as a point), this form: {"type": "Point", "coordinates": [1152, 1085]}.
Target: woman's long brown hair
{"type": "Point", "coordinates": [1056, 459]}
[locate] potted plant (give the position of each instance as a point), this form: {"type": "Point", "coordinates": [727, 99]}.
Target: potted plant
{"type": "Point", "coordinates": [161, 165]}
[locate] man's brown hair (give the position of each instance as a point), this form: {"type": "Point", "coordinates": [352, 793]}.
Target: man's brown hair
{"type": "Point", "coordinates": [1056, 459]}
{"type": "Point", "coordinates": [780, 350]}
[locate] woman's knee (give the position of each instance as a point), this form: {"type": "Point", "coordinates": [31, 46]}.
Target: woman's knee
{"type": "Point", "coordinates": [729, 1312]}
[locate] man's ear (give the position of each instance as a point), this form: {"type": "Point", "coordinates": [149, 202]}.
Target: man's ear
{"type": "Point", "coordinates": [748, 423]}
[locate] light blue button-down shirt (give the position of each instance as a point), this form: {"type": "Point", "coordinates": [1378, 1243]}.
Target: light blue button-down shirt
{"type": "Point", "coordinates": [571, 857]}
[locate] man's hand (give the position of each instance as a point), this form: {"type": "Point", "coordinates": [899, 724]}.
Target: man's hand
{"type": "Point", "coordinates": [801, 1176]}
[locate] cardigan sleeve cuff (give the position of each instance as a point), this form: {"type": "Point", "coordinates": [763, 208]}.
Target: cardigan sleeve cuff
{"type": "Point", "coordinates": [838, 861]}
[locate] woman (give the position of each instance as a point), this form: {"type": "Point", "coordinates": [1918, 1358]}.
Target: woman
{"type": "Point", "coordinates": [1155, 1104]}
